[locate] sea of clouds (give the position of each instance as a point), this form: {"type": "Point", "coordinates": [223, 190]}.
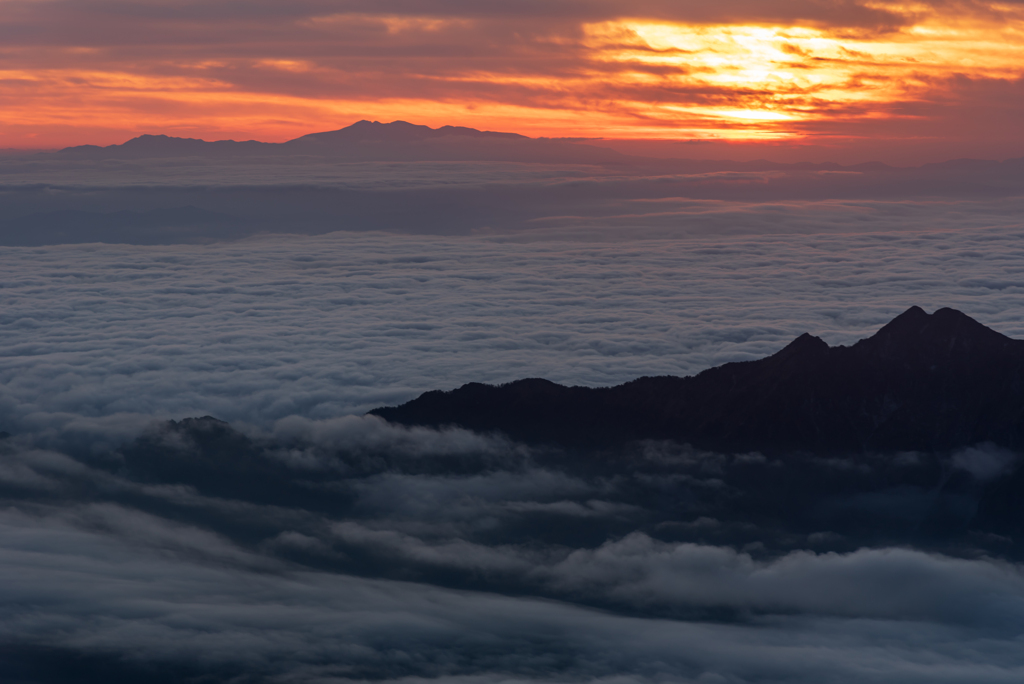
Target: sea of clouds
{"type": "Point", "coordinates": [392, 564]}
{"type": "Point", "coordinates": [326, 326]}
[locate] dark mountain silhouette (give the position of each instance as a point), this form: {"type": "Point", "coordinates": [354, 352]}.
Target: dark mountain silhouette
{"type": "Point", "coordinates": [397, 131]}
{"type": "Point", "coordinates": [923, 382]}
{"type": "Point", "coordinates": [159, 146]}
{"type": "Point", "coordinates": [401, 141]}
{"type": "Point", "coordinates": [364, 141]}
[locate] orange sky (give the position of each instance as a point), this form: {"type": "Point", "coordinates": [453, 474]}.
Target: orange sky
{"type": "Point", "coordinates": [934, 79]}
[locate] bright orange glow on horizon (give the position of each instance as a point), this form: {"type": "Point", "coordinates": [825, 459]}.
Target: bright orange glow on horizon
{"type": "Point", "coordinates": [780, 74]}
{"type": "Point", "coordinates": [932, 72]}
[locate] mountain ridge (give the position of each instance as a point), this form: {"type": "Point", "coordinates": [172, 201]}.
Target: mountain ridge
{"type": "Point", "coordinates": [923, 382]}
{"type": "Point", "coordinates": [367, 140]}
{"type": "Point", "coordinates": [363, 141]}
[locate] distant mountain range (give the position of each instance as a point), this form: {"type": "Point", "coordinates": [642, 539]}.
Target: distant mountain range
{"type": "Point", "coordinates": [403, 141]}
{"type": "Point", "coordinates": [921, 383]}
{"type": "Point", "coordinates": [364, 141]}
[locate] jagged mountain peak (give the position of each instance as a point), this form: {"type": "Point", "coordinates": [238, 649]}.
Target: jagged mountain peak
{"type": "Point", "coordinates": [943, 332]}
{"type": "Point", "coordinates": [804, 344]}
{"type": "Point", "coordinates": [915, 322]}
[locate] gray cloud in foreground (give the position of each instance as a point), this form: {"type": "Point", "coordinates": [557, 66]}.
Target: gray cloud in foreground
{"type": "Point", "coordinates": [160, 577]}
{"type": "Point", "coordinates": [106, 579]}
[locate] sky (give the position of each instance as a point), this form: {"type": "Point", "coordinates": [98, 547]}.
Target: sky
{"type": "Point", "coordinates": [786, 79]}
{"type": "Point", "coordinates": [191, 489]}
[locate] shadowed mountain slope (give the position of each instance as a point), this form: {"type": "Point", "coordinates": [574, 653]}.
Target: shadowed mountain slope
{"type": "Point", "coordinates": [923, 382]}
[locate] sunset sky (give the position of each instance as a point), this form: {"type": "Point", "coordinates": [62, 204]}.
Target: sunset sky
{"type": "Point", "coordinates": [688, 420]}
{"type": "Point", "coordinates": [937, 79]}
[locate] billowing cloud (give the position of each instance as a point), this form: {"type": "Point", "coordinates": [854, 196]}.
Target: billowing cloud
{"type": "Point", "coordinates": [400, 576]}
{"type": "Point", "coordinates": [185, 603]}
{"type": "Point", "coordinates": [984, 461]}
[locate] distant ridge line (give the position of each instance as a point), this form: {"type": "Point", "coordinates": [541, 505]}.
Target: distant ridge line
{"type": "Point", "coordinates": [364, 140]}
{"type": "Point", "coordinates": [367, 140]}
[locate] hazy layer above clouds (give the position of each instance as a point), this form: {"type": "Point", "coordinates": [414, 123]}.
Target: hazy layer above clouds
{"type": "Point", "coordinates": [46, 199]}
